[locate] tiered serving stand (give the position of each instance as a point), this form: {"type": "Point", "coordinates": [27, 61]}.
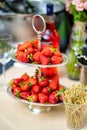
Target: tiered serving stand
{"type": "Point", "coordinates": [36, 107]}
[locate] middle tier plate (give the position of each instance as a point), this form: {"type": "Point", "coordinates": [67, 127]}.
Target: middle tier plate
{"type": "Point", "coordinates": [12, 54]}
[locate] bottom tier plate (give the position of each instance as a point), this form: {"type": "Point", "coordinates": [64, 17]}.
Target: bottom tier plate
{"type": "Point", "coordinates": [34, 107]}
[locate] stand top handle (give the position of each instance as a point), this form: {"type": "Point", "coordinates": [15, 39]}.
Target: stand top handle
{"type": "Point", "coordinates": [39, 28]}
{"type": "Point", "coordinates": [43, 22]}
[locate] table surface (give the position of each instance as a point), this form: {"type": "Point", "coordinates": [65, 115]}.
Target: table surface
{"type": "Point", "coordinates": [15, 115]}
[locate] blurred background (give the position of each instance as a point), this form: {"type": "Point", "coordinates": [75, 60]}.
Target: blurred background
{"type": "Point", "coordinates": [16, 18]}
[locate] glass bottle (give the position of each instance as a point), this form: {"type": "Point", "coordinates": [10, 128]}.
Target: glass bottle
{"type": "Point", "coordinates": [73, 69]}
{"type": "Point", "coordinates": [50, 35]}
{"type": "Point", "coordinates": [78, 36]}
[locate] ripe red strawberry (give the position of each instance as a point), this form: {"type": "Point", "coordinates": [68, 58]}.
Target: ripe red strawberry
{"type": "Point", "coordinates": [13, 86]}
{"type": "Point", "coordinates": [35, 43]}
{"type": "Point", "coordinates": [44, 45]}
{"type": "Point", "coordinates": [56, 60]}
{"type": "Point", "coordinates": [46, 91]}
{"type": "Point", "coordinates": [17, 81]}
{"type": "Point", "coordinates": [32, 81]}
{"type": "Point", "coordinates": [57, 53]}
{"type": "Point", "coordinates": [53, 85]}
{"type": "Point", "coordinates": [35, 89]}
{"type": "Point", "coordinates": [55, 79]}
{"type": "Point", "coordinates": [36, 57]}
{"type": "Point", "coordinates": [49, 72]}
{"type": "Point", "coordinates": [53, 98]}
{"type": "Point", "coordinates": [61, 98]}
{"type": "Point", "coordinates": [19, 46]}
{"type": "Point", "coordinates": [25, 57]}
{"type": "Point", "coordinates": [44, 60]}
{"type": "Point", "coordinates": [43, 82]}
{"type": "Point", "coordinates": [33, 98]}
{"type": "Point", "coordinates": [19, 55]}
{"type": "Point", "coordinates": [25, 95]}
{"type": "Point", "coordinates": [61, 88]}
{"type": "Point", "coordinates": [24, 45]}
{"type": "Point", "coordinates": [16, 91]}
{"type": "Point", "coordinates": [25, 76]}
{"type": "Point", "coordinates": [43, 98]}
{"type": "Point", "coordinates": [24, 86]}
{"type": "Point", "coordinates": [30, 50]}
{"type": "Point", "coordinates": [47, 51]}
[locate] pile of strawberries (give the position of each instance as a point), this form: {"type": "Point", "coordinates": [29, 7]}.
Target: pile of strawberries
{"type": "Point", "coordinates": [43, 87]}
{"type": "Point", "coordinates": [37, 88]}
{"type": "Point", "coordinates": [28, 52]}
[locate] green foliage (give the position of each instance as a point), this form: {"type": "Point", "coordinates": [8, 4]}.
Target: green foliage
{"type": "Point", "coordinates": [78, 15]}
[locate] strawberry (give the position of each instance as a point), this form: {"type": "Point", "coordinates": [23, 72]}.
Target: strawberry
{"type": "Point", "coordinates": [53, 85]}
{"type": "Point", "coordinates": [17, 81]}
{"type": "Point", "coordinates": [25, 76]}
{"type": "Point", "coordinates": [56, 60]}
{"type": "Point", "coordinates": [47, 51]}
{"type": "Point", "coordinates": [25, 57]}
{"type": "Point", "coordinates": [32, 81]}
{"type": "Point", "coordinates": [13, 86]}
{"type": "Point", "coordinates": [44, 45]}
{"type": "Point", "coordinates": [61, 88]}
{"type": "Point", "coordinates": [35, 43]}
{"type": "Point", "coordinates": [49, 72]}
{"type": "Point", "coordinates": [44, 60]}
{"type": "Point", "coordinates": [57, 53]}
{"type": "Point", "coordinates": [24, 45]}
{"type": "Point", "coordinates": [19, 46]}
{"type": "Point", "coordinates": [22, 56]}
{"type": "Point", "coordinates": [24, 86]}
{"type": "Point", "coordinates": [36, 57]}
{"type": "Point", "coordinates": [61, 98]}
{"type": "Point", "coordinates": [35, 89]}
{"type": "Point", "coordinates": [19, 55]}
{"type": "Point", "coordinates": [16, 91]}
{"type": "Point", "coordinates": [25, 95]}
{"type": "Point", "coordinates": [46, 91]}
{"type": "Point", "coordinates": [55, 79]}
{"type": "Point", "coordinates": [43, 98]}
{"type": "Point", "coordinates": [33, 98]}
{"type": "Point", "coordinates": [53, 98]}
{"type": "Point", "coordinates": [30, 50]}
{"type": "Point", "coordinates": [43, 82]}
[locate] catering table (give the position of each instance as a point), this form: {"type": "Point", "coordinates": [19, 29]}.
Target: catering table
{"type": "Point", "coordinates": [15, 115]}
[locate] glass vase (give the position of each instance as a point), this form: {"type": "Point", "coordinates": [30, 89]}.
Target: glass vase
{"type": "Point", "coordinates": [77, 40]}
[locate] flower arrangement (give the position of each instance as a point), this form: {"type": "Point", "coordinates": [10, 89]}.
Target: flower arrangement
{"type": "Point", "coordinates": [78, 8]}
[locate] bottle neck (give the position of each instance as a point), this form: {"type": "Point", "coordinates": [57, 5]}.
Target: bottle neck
{"type": "Point", "coordinates": [50, 21]}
